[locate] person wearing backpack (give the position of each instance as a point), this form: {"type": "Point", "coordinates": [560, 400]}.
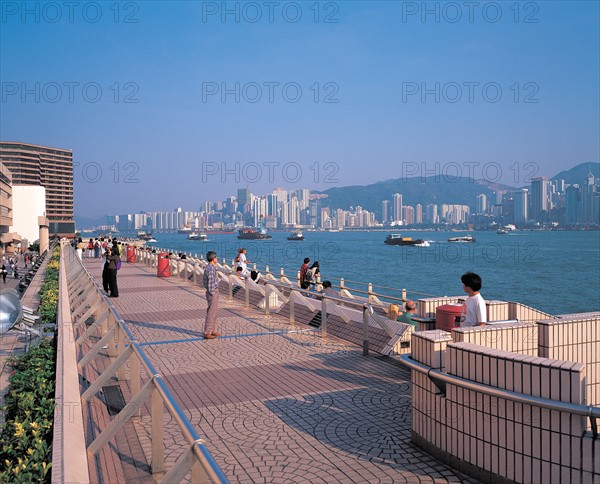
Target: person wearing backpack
{"type": "Point", "coordinates": [311, 275]}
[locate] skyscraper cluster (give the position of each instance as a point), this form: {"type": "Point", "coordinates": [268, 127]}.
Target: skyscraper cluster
{"type": "Point", "coordinates": [544, 201]}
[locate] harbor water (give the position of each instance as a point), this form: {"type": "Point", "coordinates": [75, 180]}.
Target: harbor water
{"type": "Point", "coordinates": [554, 271]}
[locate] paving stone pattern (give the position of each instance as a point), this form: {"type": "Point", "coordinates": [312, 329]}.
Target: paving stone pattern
{"type": "Point", "coordinates": [275, 403]}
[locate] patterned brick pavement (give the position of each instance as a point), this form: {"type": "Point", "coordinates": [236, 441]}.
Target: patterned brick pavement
{"type": "Point", "coordinates": [275, 403]}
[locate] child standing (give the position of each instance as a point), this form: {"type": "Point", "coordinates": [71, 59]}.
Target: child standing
{"type": "Point", "coordinates": [474, 310]}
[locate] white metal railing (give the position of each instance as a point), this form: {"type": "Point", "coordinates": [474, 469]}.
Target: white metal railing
{"type": "Point", "coordinates": [87, 300]}
{"type": "Point", "coordinates": [370, 295]}
{"type": "Point", "coordinates": [285, 291]}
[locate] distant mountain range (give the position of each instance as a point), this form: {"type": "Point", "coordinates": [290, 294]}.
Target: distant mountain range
{"type": "Point", "coordinates": [440, 189]}
{"type": "Point", "coordinates": [578, 174]}
{"type": "Point", "coordinates": [415, 190]}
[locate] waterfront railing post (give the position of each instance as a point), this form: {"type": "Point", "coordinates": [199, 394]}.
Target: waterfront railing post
{"type": "Point", "coordinates": [247, 293]}
{"type": "Point", "coordinates": [230, 283]}
{"type": "Point", "coordinates": [267, 302]}
{"type": "Point", "coordinates": [292, 308]}
{"type": "Point", "coordinates": [120, 340]}
{"type": "Point", "coordinates": [157, 435]}
{"type": "Point", "coordinates": [112, 322]}
{"type": "Point", "coordinates": [323, 318]}
{"type": "Point", "coordinates": [134, 375]}
{"type": "Point", "coordinates": [281, 276]}
{"type": "Point", "coordinates": [370, 291]}
{"type": "Point", "coordinates": [298, 279]}
{"type": "Point", "coordinates": [365, 331]}
{"type": "Point", "coordinates": [404, 295]}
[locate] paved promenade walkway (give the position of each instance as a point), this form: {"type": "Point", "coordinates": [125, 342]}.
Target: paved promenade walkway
{"type": "Point", "coordinates": [275, 403]}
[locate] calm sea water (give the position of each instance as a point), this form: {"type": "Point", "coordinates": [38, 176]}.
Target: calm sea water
{"type": "Point", "coordinates": [556, 272]}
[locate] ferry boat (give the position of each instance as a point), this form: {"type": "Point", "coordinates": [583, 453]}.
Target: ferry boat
{"type": "Point", "coordinates": [397, 239]}
{"type": "Point", "coordinates": [197, 236]}
{"type": "Point", "coordinates": [253, 234]}
{"type": "Point", "coordinates": [296, 235]}
{"type": "Point", "coordinates": [465, 238]}
{"type": "Point", "coordinates": [184, 229]}
{"type": "Point", "coordinates": [147, 236]}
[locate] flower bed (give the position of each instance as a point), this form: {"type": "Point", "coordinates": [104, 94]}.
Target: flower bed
{"type": "Point", "coordinates": [26, 436]}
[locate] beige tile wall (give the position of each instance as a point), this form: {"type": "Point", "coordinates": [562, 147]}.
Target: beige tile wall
{"type": "Point", "coordinates": [518, 442]}
{"type": "Point", "coordinates": [516, 337]}
{"type": "Point", "coordinates": [574, 339]}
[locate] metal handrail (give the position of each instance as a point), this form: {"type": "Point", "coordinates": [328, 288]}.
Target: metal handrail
{"type": "Point", "coordinates": [200, 451]}
{"type": "Point", "coordinates": [573, 408]}
{"type": "Point", "coordinates": [388, 297]}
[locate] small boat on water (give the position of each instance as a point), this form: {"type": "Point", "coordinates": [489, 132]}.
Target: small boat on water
{"type": "Point", "coordinates": [296, 235]}
{"type": "Point", "coordinates": [397, 239]}
{"type": "Point", "coordinates": [184, 229]}
{"type": "Point", "coordinates": [253, 234]}
{"type": "Point", "coordinates": [465, 238]}
{"type": "Point", "coordinates": [147, 236]}
{"type": "Point", "coordinates": [502, 231]}
{"type": "Point", "coordinates": [197, 236]}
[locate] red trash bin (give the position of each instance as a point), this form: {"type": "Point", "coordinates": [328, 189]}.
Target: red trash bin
{"type": "Point", "coordinates": [130, 254]}
{"type": "Point", "coordinates": [163, 266]}
{"type": "Point", "coordinates": [448, 316]}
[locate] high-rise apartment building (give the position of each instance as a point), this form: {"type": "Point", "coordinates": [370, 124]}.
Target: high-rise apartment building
{"type": "Point", "coordinates": [51, 168]}
{"type": "Point", "coordinates": [521, 205]}
{"type": "Point", "coordinates": [397, 207]}
{"type": "Point", "coordinates": [244, 197]}
{"type": "Point", "coordinates": [481, 206]}
{"type": "Point", "coordinates": [539, 198]}
{"type": "Point", "coordinates": [385, 211]}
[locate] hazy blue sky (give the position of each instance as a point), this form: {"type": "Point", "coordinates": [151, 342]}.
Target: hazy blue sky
{"type": "Point", "coordinates": [135, 89]}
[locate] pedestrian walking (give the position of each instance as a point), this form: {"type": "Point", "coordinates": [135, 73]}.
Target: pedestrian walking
{"type": "Point", "coordinates": [211, 284]}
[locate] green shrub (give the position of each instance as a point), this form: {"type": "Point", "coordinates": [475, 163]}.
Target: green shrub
{"type": "Point", "coordinates": [49, 290]}
{"type": "Point", "coordinates": [26, 436]}
{"type": "Point", "coordinates": [25, 453]}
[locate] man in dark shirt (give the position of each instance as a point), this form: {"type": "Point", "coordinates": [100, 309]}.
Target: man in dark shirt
{"type": "Point", "coordinates": [303, 268]}
{"type": "Point", "coordinates": [211, 284]}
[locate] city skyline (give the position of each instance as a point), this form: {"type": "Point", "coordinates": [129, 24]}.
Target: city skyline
{"type": "Point", "coordinates": [543, 202]}
{"type": "Point", "coordinates": [351, 92]}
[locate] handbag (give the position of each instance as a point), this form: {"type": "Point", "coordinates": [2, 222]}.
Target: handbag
{"type": "Point", "coordinates": [118, 264]}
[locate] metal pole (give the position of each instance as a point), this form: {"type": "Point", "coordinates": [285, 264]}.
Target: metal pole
{"type": "Point", "coordinates": [365, 331]}
{"type": "Point", "coordinates": [323, 318]}
{"type": "Point", "coordinates": [267, 302]}
{"type": "Point", "coordinates": [247, 294]}
{"type": "Point", "coordinates": [158, 450]}
{"type": "Point", "coordinates": [135, 379]}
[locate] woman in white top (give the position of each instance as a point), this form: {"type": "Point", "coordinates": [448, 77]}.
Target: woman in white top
{"type": "Point", "coordinates": [243, 262]}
